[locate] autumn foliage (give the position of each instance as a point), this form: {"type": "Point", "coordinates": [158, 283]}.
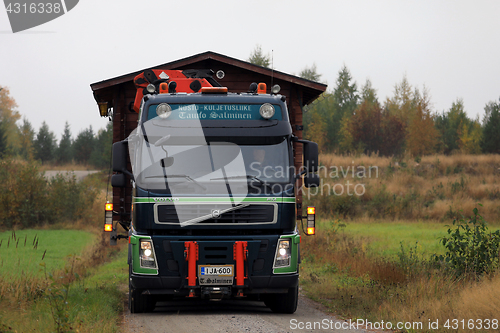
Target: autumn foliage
{"type": "Point", "coordinates": [350, 121]}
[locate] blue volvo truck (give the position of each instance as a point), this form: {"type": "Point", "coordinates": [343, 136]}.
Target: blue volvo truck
{"type": "Point", "coordinates": [213, 193]}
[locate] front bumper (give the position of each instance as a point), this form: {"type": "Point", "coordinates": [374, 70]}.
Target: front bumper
{"type": "Point", "coordinates": [174, 285]}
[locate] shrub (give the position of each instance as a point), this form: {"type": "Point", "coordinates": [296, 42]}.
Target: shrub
{"type": "Point", "coordinates": [69, 198]}
{"type": "Point", "coordinates": [23, 197]}
{"type": "Point", "coordinates": [27, 199]}
{"type": "Point", "coordinates": [410, 261]}
{"type": "Point", "coordinates": [470, 249]}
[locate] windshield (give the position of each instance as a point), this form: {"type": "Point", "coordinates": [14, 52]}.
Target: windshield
{"type": "Point", "coordinates": [163, 165]}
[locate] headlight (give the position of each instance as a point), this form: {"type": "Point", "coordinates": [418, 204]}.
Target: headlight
{"type": "Point", "coordinates": [163, 110]}
{"type": "Point", "coordinates": [146, 254]}
{"type": "Point", "coordinates": [283, 254]}
{"type": "Point", "coordinates": [266, 111]}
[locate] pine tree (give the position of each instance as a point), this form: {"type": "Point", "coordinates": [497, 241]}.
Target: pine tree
{"type": "Point", "coordinates": [490, 142]}
{"type": "Point", "coordinates": [310, 73]}
{"type": "Point", "coordinates": [257, 57]}
{"type": "Point", "coordinates": [369, 94]}
{"type": "Point", "coordinates": [344, 102]}
{"type": "Point", "coordinates": [45, 144]}
{"type": "Point", "coordinates": [362, 131]}
{"type": "Point", "coordinates": [83, 145]}
{"type": "Point", "coordinates": [101, 154]}
{"type": "Point", "coordinates": [64, 153]}
{"type": "Point", "coordinates": [451, 127]}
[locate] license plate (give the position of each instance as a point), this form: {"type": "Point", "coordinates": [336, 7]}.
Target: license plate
{"type": "Point", "coordinates": [215, 274]}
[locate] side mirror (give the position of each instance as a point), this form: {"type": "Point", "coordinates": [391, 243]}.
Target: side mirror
{"type": "Point", "coordinates": [120, 156]}
{"type": "Point", "coordinates": [120, 151]}
{"type": "Point", "coordinates": [311, 180]}
{"type": "Point", "coordinates": [118, 180]}
{"type": "Point", "coordinates": [310, 156]}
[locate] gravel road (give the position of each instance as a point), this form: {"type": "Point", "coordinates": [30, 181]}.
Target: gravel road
{"type": "Point", "coordinates": [79, 174]}
{"type": "Point", "coordinates": [229, 316]}
{"type": "Point", "coordinates": [232, 316]}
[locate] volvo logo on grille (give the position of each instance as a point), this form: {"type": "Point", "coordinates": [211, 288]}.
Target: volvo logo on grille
{"type": "Point", "coordinates": [215, 213]}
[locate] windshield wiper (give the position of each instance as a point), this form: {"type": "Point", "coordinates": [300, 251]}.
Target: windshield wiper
{"type": "Point", "coordinates": [249, 177]}
{"type": "Point", "coordinates": [182, 176]}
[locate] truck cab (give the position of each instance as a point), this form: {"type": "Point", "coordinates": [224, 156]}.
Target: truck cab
{"type": "Point", "coordinates": [213, 196]}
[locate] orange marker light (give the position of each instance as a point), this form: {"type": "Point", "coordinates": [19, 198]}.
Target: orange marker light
{"type": "Point", "coordinates": [311, 210]}
{"type": "Point", "coordinates": [262, 88]}
{"type": "Point", "coordinates": [108, 207]}
{"type": "Point", "coordinates": [311, 231]}
{"type": "Point", "coordinates": [108, 227]}
{"type": "Point", "coordinates": [163, 88]}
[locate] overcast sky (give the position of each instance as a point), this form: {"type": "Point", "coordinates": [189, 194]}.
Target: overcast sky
{"type": "Point", "coordinates": [451, 47]}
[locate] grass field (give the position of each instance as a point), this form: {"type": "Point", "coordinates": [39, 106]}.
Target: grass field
{"type": "Point", "coordinates": [432, 188]}
{"type": "Point", "coordinates": [82, 290]}
{"type": "Point", "coordinates": [23, 250]}
{"type": "Point", "coordinates": [362, 271]}
{"type": "Point", "coordinates": [63, 276]}
{"type": "Point", "coordinates": [384, 238]}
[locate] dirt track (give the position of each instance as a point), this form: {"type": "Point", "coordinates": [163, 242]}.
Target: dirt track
{"type": "Point", "coordinates": [231, 316]}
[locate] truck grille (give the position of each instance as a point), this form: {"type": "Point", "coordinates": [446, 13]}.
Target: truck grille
{"type": "Point", "coordinates": [256, 213]}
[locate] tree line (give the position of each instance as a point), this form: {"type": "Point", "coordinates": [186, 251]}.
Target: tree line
{"type": "Point", "coordinates": [23, 141]}
{"type": "Point", "coordinates": [352, 120]}
{"type": "Point", "coordinates": [349, 119]}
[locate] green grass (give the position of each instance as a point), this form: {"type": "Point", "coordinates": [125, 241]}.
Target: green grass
{"type": "Point", "coordinates": [25, 257]}
{"type": "Point", "coordinates": [94, 303]}
{"type": "Point", "coordinates": [384, 238]}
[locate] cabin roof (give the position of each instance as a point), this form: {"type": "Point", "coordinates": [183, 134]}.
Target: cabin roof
{"type": "Point", "coordinates": [310, 89]}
